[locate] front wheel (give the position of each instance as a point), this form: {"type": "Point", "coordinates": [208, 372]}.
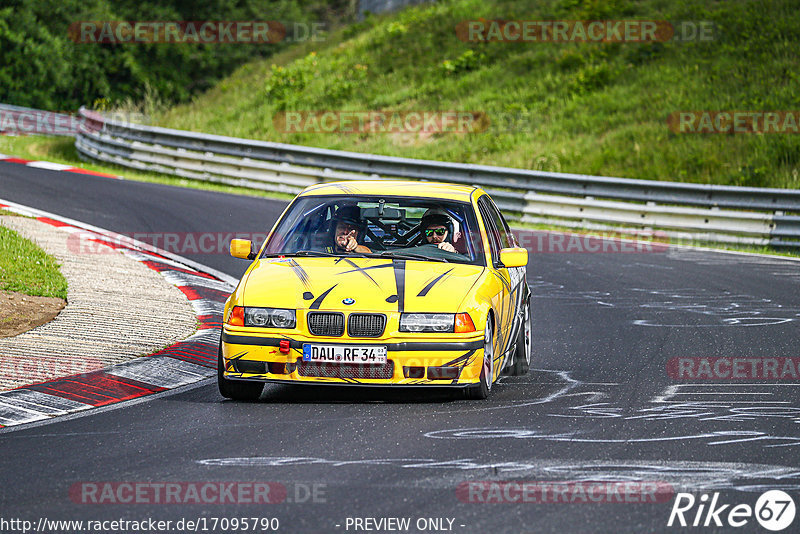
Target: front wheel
{"type": "Point", "coordinates": [522, 356]}
{"type": "Point", "coordinates": [482, 389]}
{"type": "Point", "coordinates": [234, 389]}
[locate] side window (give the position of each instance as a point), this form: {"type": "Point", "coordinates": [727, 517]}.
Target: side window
{"type": "Point", "coordinates": [506, 237]}
{"type": "Point", "coordinates": [491, 229]}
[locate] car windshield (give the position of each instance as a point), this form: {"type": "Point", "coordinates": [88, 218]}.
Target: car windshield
{"type": "Point", "coordinates": [394, 227]}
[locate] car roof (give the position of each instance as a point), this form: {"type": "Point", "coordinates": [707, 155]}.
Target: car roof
{"type": "Point", "coordinates": [400, 188]}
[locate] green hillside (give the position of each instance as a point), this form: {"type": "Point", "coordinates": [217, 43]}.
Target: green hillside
{"type": "Point", "coordinates": [596, 108]}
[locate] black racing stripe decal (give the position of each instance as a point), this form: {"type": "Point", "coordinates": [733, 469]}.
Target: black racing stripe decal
{"type": "Point", "coordinates": [516, 318]}
{"type": "Point", "coordinates": [460, 360]}
{"type": "Point", "coordinates": [409, 346]}
{"type": "Point", "coordinates": [512, 313]}
{"type": "Point", "coordinates": [498, 356]}
{"type": "Point", "coordinates": [501, 337]}
{"type": "Point", "coordinates": [363, 270]}
{"type": "Point", "coordinates": [400, 282]}
{"type": "Point", "coordinates": [506, 284]}
{"type": "Point", "coordinates": [501, 348]}
{"type": "Point", "coordinates": [344, 188]}
{"type": "Point", "coordinates": [380, 266]}
{"type": "Point", "coordinates": [434, 347]}
{"type": "Point", "coordinates": [498, 349]}
{"type": "Point", "coordinates": [237, 356]}
{"type": "Point", "coordinates": [301, 274]}
{"type": "Point", "coordinates": [433, 283]}
{"type": "Point", "coordinates": [466, 360]}
{"type": "Point", "coordinates": [318, 302]}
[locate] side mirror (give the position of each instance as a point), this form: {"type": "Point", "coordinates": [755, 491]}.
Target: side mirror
{"type": "Point", "coordinates": [514, 257]}
{"type": "Point", "coordinates": [242, 248]}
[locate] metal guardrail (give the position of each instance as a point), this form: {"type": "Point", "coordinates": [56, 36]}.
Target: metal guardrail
{"type": "Point", "coordinates": [715, 213]}
{"type": "Point", "coordinates": [545, 182]}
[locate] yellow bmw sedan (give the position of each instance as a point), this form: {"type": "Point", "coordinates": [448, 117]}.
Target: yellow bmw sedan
{"type": "Point", "coordinates": [379, 283]}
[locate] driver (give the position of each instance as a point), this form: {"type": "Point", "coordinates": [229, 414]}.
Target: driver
{"type": "Point", "coordinates": [348, 227]}
{"type": "Point", "coordinates": [435, 228]}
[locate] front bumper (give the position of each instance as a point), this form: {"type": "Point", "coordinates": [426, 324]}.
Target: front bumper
{"type": "Point", "coordinates": [442, 360]}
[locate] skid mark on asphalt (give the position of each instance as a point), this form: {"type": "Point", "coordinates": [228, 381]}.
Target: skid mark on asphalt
{"type": "Point", "coordinates": [740, 402]}
{"type": "Point", "coordinates": [763, 266]}
{"type": "Point", "coordinates": [681, 475]}
{"type": "Point", "coordinates": [722, 437]}
{"type": "Point", "coordinates": [677, 307]}
{"type": "Point", "coordinates": [719, 408]}
{"type": "Point", "coordinates": [584, 403]}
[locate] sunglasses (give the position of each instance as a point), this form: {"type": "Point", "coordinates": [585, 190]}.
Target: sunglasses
{"type": "Point", "coordinates": [437, 231]}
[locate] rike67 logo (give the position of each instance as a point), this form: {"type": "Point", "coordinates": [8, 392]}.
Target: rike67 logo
{"type": "Point", "coordinates": [774, 510]}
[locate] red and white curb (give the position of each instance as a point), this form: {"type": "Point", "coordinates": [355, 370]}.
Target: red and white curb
{"type": "Point", "coordinates": [180, 364]}
{"type": "Point", "coordinates": [50, 166]}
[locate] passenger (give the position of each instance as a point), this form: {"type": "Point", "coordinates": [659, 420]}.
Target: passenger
{"type": "Point", "coordinates": [435, 227]}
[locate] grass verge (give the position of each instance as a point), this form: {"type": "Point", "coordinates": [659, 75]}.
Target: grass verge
{"type": "Point", "coordinates": [26, 268]}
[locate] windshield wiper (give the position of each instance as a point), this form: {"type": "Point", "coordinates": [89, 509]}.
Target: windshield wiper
{"type": "Point", "coordinates": [316, 254]}
{"type": "Point", "coordinates": [304, 253]}
{"type": "Point", "coordinates": [410, 256]}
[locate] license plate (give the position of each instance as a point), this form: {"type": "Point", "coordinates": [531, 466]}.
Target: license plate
{"type": "Point", "coordinates": [344, 354]}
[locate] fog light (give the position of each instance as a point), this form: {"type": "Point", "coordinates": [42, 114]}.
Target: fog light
{"type": "Point", "coordinates": [249, 366]}
{"type": "Point", "coordinates": [443, 373]}
{"type": "Point", "coordinates": [414, 372]}
{"type": "Point", "coordinates": [277, 368]}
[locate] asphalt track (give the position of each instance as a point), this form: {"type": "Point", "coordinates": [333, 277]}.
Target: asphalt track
{"type": "Point", "coordinates": [599, 405]}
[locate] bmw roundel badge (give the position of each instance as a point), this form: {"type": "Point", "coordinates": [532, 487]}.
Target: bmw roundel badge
{"type": "Point", "coordinates": [348, 301]}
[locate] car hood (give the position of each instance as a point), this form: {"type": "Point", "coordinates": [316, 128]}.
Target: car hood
{"type": "Point", "coordinates": [373, 284]}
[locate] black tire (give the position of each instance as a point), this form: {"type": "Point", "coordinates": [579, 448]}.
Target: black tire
{"type": "Point", "coordinates": [482, 389]}
{"type": "Point", "coordinates": [522, 354]}
{"type": "Point", "coordinates": [234, 389]}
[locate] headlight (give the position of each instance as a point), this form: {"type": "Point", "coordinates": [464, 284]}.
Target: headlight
{"type": "Point", "coordinates": [269, 317]}
{"type": "Point", "coordinates": [427, 322]}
